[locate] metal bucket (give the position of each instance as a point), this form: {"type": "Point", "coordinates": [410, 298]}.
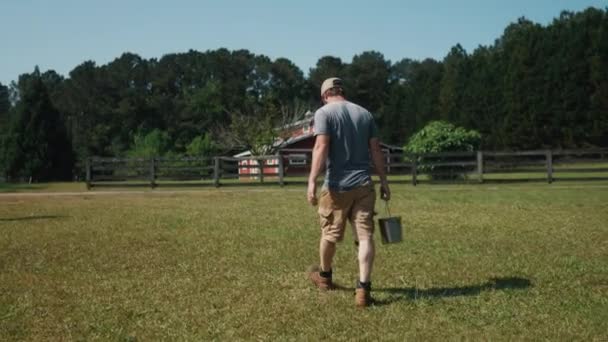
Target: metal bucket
{"type": "Point", "coordinates": [390, 228]}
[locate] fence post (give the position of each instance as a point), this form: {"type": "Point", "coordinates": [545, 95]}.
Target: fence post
{"type": "Point", "coordinates": [414, 170]}
{"type": "Point", "coordinates": [480, 166]}
{"type": "Point", "coordinates": [281, 170]}
{"type": "Point", "coordinates": [152, 172]}
{"type": "Point", "coordinates": [261, 167]}
{"type": "Point", "coordinates": [88, 177]}
{"type": "Point", "coordinates": [549, 156]}
{"type": "Point", "coordinates": [216, 171]}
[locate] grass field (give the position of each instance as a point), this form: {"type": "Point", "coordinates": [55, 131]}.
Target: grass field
{"type": "Point", "coordinates": [41, 187]}
{"type": "Point", "coordinates": [479, 262]}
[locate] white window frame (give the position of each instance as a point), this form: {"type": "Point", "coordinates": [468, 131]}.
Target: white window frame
{"type": "Point", "coordinates": [297, 159]}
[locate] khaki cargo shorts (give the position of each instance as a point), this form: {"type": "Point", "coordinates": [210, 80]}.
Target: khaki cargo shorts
{"type": "Point", "coordinates": [355, 206]}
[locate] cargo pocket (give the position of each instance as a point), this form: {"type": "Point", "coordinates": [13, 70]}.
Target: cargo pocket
{"type": "Point", "coordinates": [326, 217]}
{"type": "Point", "coordinates": [332, 228]}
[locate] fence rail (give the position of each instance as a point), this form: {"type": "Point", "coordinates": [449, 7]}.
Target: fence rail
{"type": "Point", "coordinates": [287, 163]}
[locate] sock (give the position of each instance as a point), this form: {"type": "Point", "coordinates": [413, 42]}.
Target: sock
{"type": "Point", "coordinates": [367, 286]}
{"type": "Point", "coordinates": [326, 274]}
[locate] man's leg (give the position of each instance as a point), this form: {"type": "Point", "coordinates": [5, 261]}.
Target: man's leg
{"type": "Point", "coordinates": [366, 255]}
{"type": "Point", "coordinates": [362, 218]}
{"type": "Point", "coordinates": [327, 250]}
{"type": "Point", "coordinates": [332, 219]}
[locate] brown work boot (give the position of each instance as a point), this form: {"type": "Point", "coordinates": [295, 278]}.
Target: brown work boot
{"type": "Point", "coordinates": [323, 283]}
{"type": "Point", "coordinates": [363, 298]}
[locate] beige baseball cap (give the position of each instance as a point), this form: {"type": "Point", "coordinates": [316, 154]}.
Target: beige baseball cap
{"type": "Point", "coordinates": [329, 83]}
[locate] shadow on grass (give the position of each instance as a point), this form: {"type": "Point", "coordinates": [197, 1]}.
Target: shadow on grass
{"type": "Point", "coordinates": [410, 293]}
{"type": "Point", "coordinates": [31, 218]}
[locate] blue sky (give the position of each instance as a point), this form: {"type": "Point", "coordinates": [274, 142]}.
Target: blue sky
{"type": "Point", "coordinates": [61, 34]}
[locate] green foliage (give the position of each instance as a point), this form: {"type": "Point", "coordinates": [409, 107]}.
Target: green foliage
{"type": "Point", "coordinates": [441, 136]}
{"type": "Point", "coordinates": [367, 80]}
{"type": "Point", "coordinates": [156, 143]}
{"type": "Point", "coordinates": [5, 104]}
{"type": "Point", "coordinates": [204, 109]}
{"type": "Point", "coordinates": [6, 154]}
{"type": "Point", "coordinates": [4, 113]}
{"type": "Point", "coordinates": [254, 134]}
{"type": "Point", "coordinates": [456, 73]}
{"type": "Point", "coordinates": [413, 98]}
{"type": "Point", "coordinates": [36, 146]}
{"type": "Point", "coordinates": [202, 145]}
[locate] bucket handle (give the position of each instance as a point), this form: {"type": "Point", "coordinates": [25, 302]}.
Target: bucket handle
{"type": "Point", "coordinates": [388, 210]}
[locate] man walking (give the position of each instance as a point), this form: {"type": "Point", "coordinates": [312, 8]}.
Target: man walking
{"type": "Point", "coordinates": [346, 136]}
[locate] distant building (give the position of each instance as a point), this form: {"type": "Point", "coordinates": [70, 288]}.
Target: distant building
{"type": "Point", "coordinates": [295, 135]}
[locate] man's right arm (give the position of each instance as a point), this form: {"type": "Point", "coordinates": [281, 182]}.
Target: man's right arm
{"type": "Point", "coordinates": [378, 160]}
{"type": "Point", "coordinates": [319, 156]}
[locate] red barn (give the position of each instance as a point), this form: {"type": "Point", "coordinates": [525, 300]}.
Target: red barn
{"type": "Point", "coordinates": [297, 135]}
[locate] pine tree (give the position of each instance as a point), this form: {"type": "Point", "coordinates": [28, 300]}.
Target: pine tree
{"type": "Point", "coordinates": [37, 147]}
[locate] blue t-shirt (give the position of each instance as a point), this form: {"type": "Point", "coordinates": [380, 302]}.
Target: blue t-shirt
{"type": "Point", "coordinates": [350, 127]}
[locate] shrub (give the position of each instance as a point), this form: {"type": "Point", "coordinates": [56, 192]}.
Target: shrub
{"type": "Point", "coordinates": [438, 137]}
{"type": "Point", "coordinates": [201, 145]}
{"type": "Point", "coordinates": [154, 144]}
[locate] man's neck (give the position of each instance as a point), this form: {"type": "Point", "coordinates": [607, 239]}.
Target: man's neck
{"type": "Point", "coordinates": [337, 98]}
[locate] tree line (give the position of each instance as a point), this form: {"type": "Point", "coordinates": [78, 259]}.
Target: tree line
{"type": "Point", "coordinates": [536, 86]}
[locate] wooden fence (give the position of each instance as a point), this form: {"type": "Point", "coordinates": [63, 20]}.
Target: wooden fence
{"type": "Point", "coordinates": [468, 166]}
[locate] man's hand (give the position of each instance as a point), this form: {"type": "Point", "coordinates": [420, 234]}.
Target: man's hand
{"type": "Point", "coordinates": [385, 191]}
{"type": "Point", "coordinates": [312, 193]}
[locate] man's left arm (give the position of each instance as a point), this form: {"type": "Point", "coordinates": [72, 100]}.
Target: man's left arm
{"type": "Point", "coordinates": [319, 156]}
{"type": "Point", "coordinates": [378, 160]}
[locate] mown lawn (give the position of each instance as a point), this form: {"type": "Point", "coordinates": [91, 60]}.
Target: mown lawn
{"type": "Point", "coordinates": [42, 187]}
{"type": "Point", "coordinates": [480, 262]}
